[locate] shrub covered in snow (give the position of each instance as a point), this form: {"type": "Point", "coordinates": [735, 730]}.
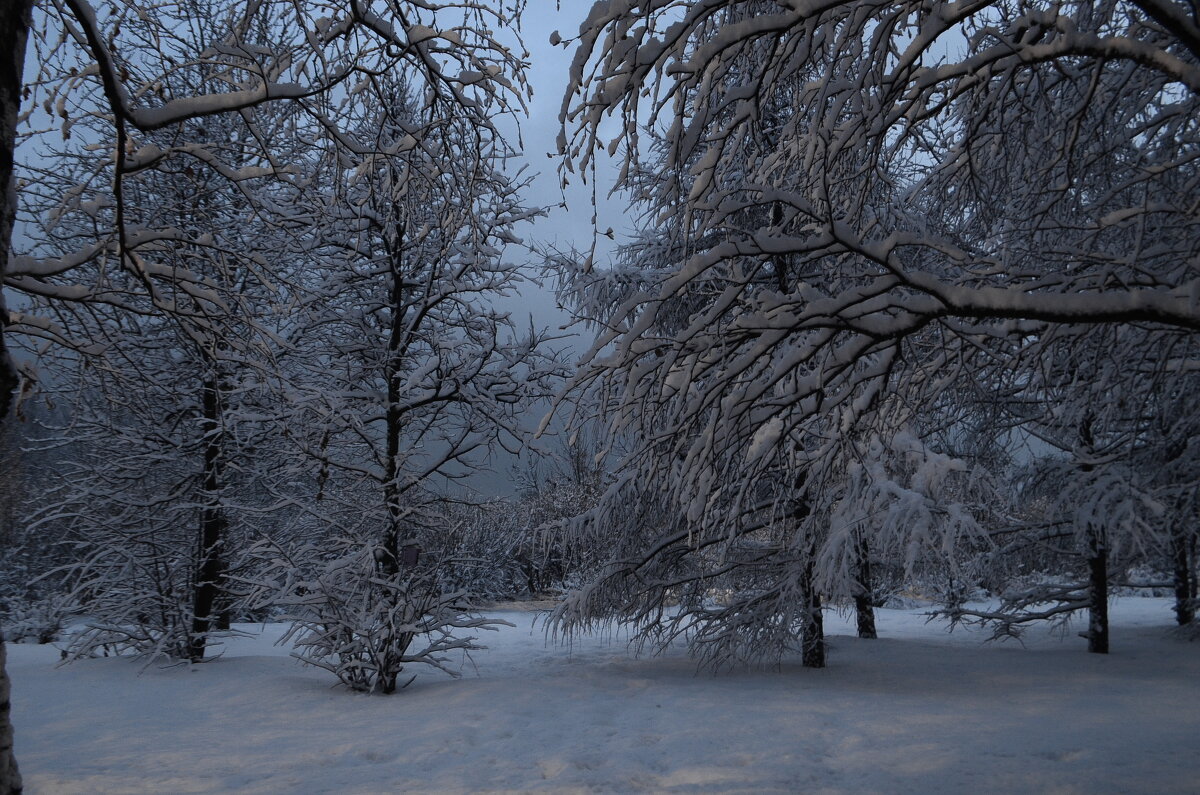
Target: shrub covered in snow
{"type": "Point", "coordinates": [356, 619]}
{"type": "Point", "coordinates": [134, 597]}
{"type": "Point", "coordinates": [38, 622]}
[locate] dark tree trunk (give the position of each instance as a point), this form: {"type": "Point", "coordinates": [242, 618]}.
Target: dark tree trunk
{"type": "Point", "coordinates": [813, 646]}
{"type": "Point", "coordinates": [15, 18]}
{"type": "Point", "coordinates": [1097, 632]}
{"type": "Point", "coordinates": [210, 569]}
{"type": "Point", "coordinates": [1192, 587]}
{"type": "Point", "coordinates": [1183, 549]}
{"type": "Point", "coordinates": [387, 557]}
{"type": "Point", "coordinates": [390, 563]}
{"type": "Point", "coordinates": [10, 776]}
{"type": "Point", "coordinates": [14, 31]}
{"type": "Point", "coordinates": [864, 596]}
{"type": "Point", "coordinates": [1097, 560]}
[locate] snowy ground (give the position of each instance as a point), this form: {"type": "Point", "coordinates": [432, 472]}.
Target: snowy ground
{"type": "Point", "coordinates": [919, 710]}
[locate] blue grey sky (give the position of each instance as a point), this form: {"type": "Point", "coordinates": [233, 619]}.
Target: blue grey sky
{"type": "Point", "coordinates": [568, 226]}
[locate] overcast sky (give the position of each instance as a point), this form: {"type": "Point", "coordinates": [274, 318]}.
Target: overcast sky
{"type": "Point", "coordinates": [569, 226]}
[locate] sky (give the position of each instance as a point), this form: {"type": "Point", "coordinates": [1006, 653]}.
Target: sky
{"type": "Point", "coordinates": [568, 222]}
{"type": "Point", "coordinates": [571, 225]}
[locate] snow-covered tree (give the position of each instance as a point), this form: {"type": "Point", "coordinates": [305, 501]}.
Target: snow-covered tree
{"type": "Point", "coordinates": [1105, 485]}
{"type": "Point", "coordinates": [165, 396]}
{"type": "Point", "coordinates": [560, 477]}
{"type": "Point", "coordinates": [406, 377]}
{"type": "Point", "coordinates": [360, 619]}
{"type": "Point", "coordinates": [402, 378]}
{"type": "Point", "coordinates": [936, 183]}
{"type": "Point", "coordinates": [115, 66]}
{"type": "Point", "coordinates": [121, 68]}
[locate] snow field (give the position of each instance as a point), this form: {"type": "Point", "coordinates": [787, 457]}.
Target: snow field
{"type": "Point", "coordinates": [920, 710]}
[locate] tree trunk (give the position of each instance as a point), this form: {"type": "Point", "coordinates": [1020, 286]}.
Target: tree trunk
{"type": "Point", "coordinates": [813, 648]}
{"type": "Point", "coordinates": [812, 622]}
{"type": "Point", "coordinates": [15, 19]}
{"type": "Point", "coordinates": [1192, 587]}
{"type": "Point", "coordinates": [394, 415]}
{"type": "Point", "coordinates": [210, 569]}
{"type": "Point", "coordinates": [1183, 542]}
{"type": "Point", "coordinates": [1097, 632]}
{"type": "Point", "coordinates": [10, 776]}
{"type": "Point", "coordinates": [1097, 558]}
{"type": "Point", "coordinates": [387, 558]}
{"type": "Point", "coordinates": [864, 596]}
{"type": "Point", "coordinates": [15, 16]}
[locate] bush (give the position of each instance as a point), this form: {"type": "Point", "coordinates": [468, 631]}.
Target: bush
{"type": "Point", "coordinates": [353, 620]}
{"type": "Point", "coordinates": [40, 621]}
{"type": "Point", "coordinates": [134, 593]}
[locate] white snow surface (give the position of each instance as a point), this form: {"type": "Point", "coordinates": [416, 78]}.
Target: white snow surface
{"type": "Point", "coordinates": [919, 710]}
